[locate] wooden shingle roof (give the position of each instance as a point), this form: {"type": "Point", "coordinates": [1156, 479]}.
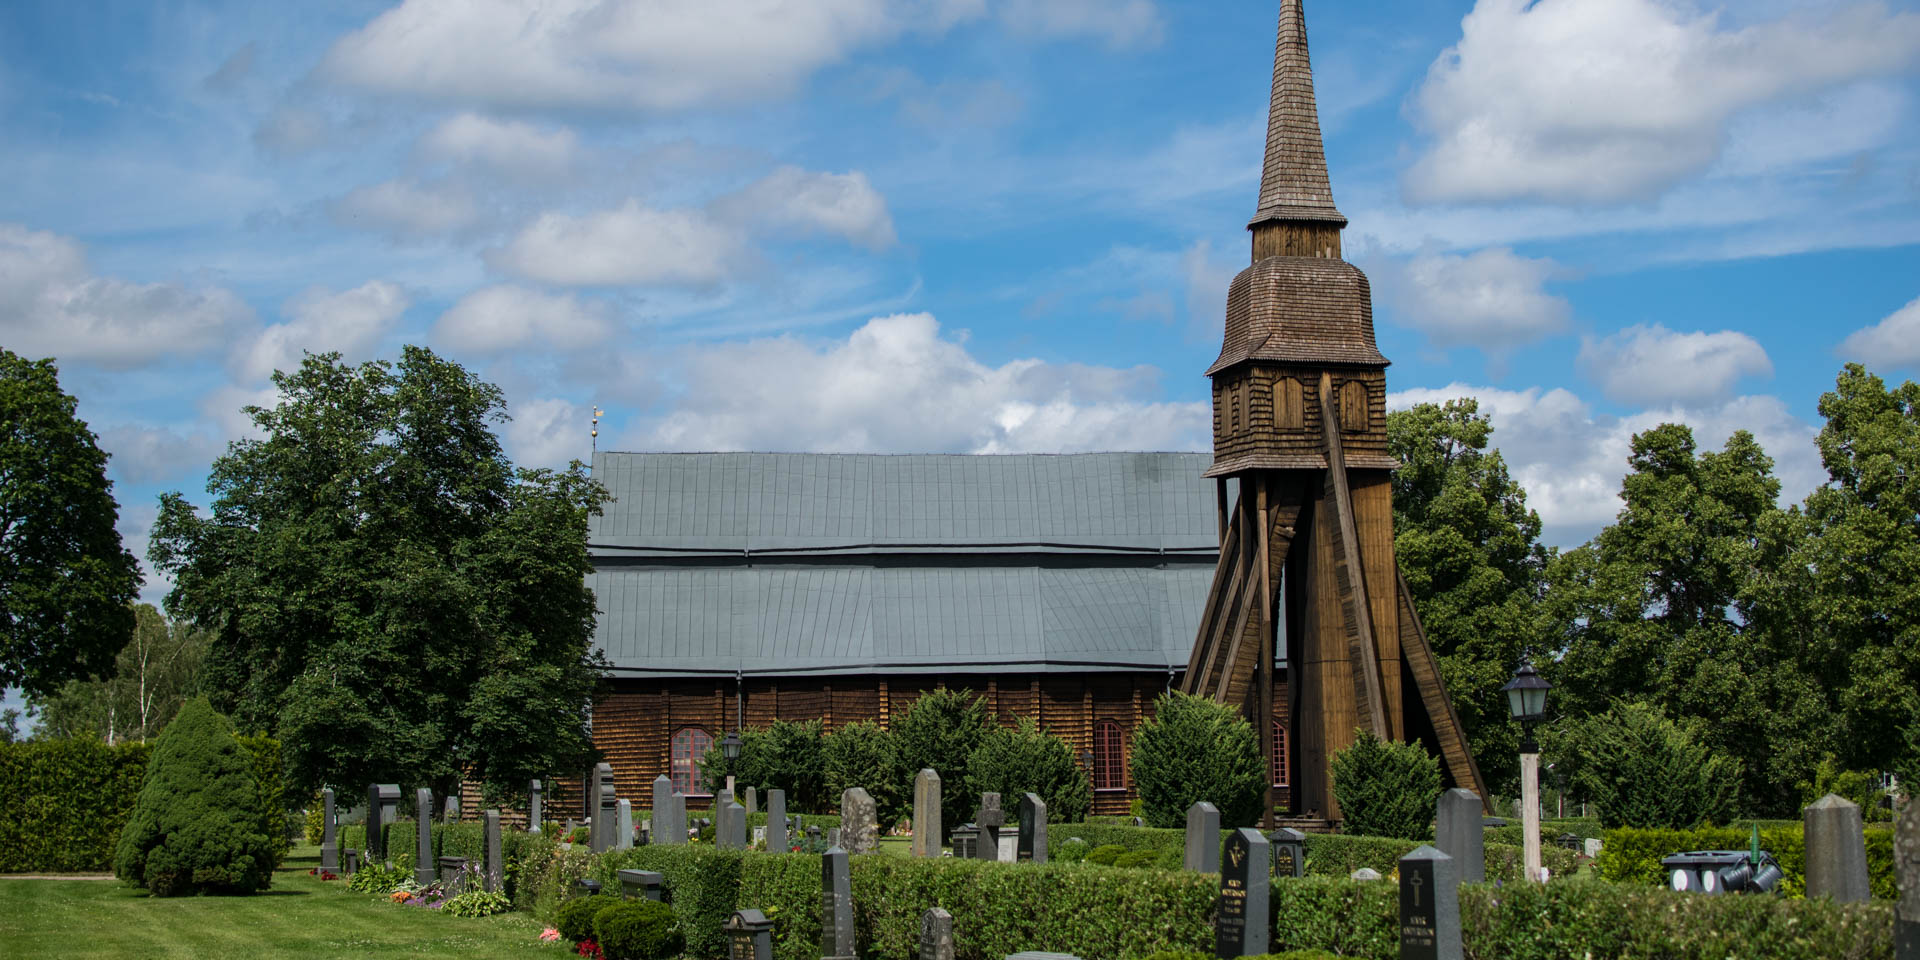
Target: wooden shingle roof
{"type": "Point", "coordinates": [1305, 310]}
{"type": "Point", "coordinates": [1293, 181]}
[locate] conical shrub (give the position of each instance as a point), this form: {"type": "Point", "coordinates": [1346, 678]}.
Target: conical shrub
{"type": "Point", "coordinates": [195, 827]}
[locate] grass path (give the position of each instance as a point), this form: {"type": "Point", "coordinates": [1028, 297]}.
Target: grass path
{"type": "Point", "coordinates": [300, 917]}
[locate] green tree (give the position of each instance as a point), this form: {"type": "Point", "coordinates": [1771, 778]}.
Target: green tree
{"type": "Point", "coordinates": [196, 825]}
{"type": "Point", "coordinates": [788, 755]}
{"type": "Point", "coordinates": [1024, 758]}
{"type": "Point", "coordinates": [384, 590]}
{"type": "Point", "coordinates": [1194, 749]}
{"type": "Point", "coordinates": [157, 670]}
{"type": "Point", "coordinates": [941, 730]}
{"type": "Point", "coordinates": [861, 754]}
{"type": "Point", "coordinates": [1386, 789]}
{"type": "Point", "coordinates": [1651, 610]}
{"type": "Point", "coordinates": [1470, 549]}
{"type": "Point", "coordinates": [66, 583]}
{"type": "Point", "coordinates": [1644, 770]}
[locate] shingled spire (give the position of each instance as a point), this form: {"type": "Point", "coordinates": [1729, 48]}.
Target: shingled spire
{"type": "Point", "coordinates": [1296, 216]}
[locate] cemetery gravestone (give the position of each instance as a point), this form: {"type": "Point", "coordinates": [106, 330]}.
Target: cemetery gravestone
{"type": "Point", "coordinates": [836, 906]}
{"type": "Point", "coordinates": [329, 833]}
{"type": "Point", "coordinates": [383, 801]}
{"type": "Point", "coordinates": [606, 808]}
{"type": "Point", "coordinates": [1364, 873]}
{"type": "Point", "coordinates": [1240, 920]}
{"type": "Point", "coordinates": [926, 813]}
{"type": "Point", "coordinates": [1289, 852]}
{"type": "Point", "coordinates": [936, 934]}
{"type": "Point", "coordinates": [1836, 850]}
{"type": "Point", "coordinates": [663, 813]}
{"type": "Point", "coordinates": [533, 807]}
{"type": "Point", "coordinates": [1203, 838]}
{"type": "Point", "coordinates": [753, 801]}
{"type": "Point", "coordinates": [859, 826]}
{"type": "Point", "coordinates": [1906, 866]}
{"type": "Point", "coordinates": [749, 935]}
{"type": "Point", "coordinates": [623, 824]}
{"type": "Point", "coordinates": [1033, 829]}
{"type": "Point", "coordinates": [642, 883]}
{"type": "Point", "coordinates": [777, 822]}
{"type": "Point", "coordinates": [423, 836]}
{"type": "Point", "coordinates": [452, 875]}
{"type": "Point", "coordinates": [989, 821]}
{"type": "Point", "coordinates": [732, 833]}
{"type": "Point", "coordinates": [452, 812]}
{"type": "Point", "coordinates": [1429, 906]}
{"type": "Point", "coordinates": [1459, 831]}
{"type": "Point", "coordinates": [496, 868]}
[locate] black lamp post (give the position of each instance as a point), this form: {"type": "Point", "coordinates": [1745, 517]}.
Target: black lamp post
{"type": "Point", "coordinates": [730, 748]}
{"type": "Point", "coordinates": [1527, 701]}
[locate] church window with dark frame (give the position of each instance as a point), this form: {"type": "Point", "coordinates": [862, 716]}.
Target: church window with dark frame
{"type": "Point", "coordinates": [689, 745]}
{"type": "Point", "coordinates": [1109, 763]}
{"type": "Point", "coordinates": [1282, 771]}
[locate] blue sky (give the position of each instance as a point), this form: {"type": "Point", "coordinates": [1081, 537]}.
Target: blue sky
{"type": "Point", "coordinates": [966, 225]}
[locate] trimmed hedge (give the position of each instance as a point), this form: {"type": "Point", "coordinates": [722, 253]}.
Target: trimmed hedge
{"type": "Point", "coordinates": [1328, 855]}
{"type": "Point", "coordinates": [525, 854]}
{"type": "Point", "coordinates": [1633, 856]}
{"type": "Point", "coordinates": [1093, 911]}
{"type": "Point", "coordinates": [63, 802]}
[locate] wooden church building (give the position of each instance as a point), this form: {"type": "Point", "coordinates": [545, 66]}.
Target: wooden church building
{"type": "Point", "coordinates": [737, 588]}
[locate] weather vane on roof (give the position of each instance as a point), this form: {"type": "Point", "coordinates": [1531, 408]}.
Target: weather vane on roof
{"type": "Point", "coordinates": [596, 427]}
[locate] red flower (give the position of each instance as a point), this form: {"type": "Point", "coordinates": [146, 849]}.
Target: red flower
{"type": "Point", "coordinates": [588, 948]}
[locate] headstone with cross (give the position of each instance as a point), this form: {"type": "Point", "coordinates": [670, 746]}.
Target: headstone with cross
{"type": "Point", "coordinates": [1429, 906]}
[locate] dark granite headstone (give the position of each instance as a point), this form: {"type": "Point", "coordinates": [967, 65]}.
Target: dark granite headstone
{"type": "Point", "coordinates": [606, 809]}
{"type": "Point", "coordinates": [640, 883]}
{"type": "Point", "coordinates": [423, 836]}
{"type": "Point", "coordinates": [1429, 906]}
{"type": "Point", "coordinates": [777, 822]}
{"type": "Point", "coordinates": [1289, 852]}
{"type": "Point", "coordinates": [1203, 838]}
{"type": "Point", "coordinates": [452, 874]}
{"type": "Point", "coordinates": [988, 821]}
{"type": "Point", "coordinates": [936, 934]}
{"type": "Point", "coordinates": [749, 936]}
{"type": "Point", "coordinates": [383, 802]}
{"type": "Point", "coordinates": [1240, 921]}
{"type": "Point", "coordinates": [836, 906]}
{"type": "Point", "coordinates": [496, 868]}
{"type": "Point", "coordinates": [1458, 830]}
{"type": "Point", "coordinates": [1033, 829]}
{"type": "Point", "coordinates": [329, 833]}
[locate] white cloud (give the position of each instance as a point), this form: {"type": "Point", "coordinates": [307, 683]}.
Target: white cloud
{"type": "Point", "coordinates": [843, 204]}
{"type": "Point", "coordinates": [1493, 299]}
{"type": "Point", "coordinates": [1653, 365]}
{"type": "Point", "coordinates": [1121, 23]}
{"type": "Point", "coordinates": [895, 385]}
{"type": "Point", "coordinates": [657, 54]}
{"type": "Point", "coordinates": [351, 322]}
{"type": "Point", "coordinates": [1894, 341]}
{"type": "Point", "coordinates": [1207, 281]}
{"type": "Point", "coordinates": [143, 454]}
{"type": "Point", "coordinates": [52, 304]}
{"type": "Point", "coordinates": [407, 209]}
{"type": "Point", "coordinates": [226, 407]}
{"type": "Point", "coordinates": [1571, 459]}
{"type": "Point", "coordinates": [503, 317]}
{"type": "Point", "coordinates": [634, 244]}
{"type": "Point", "coordinates": [547, 432]}
{"type": "Point", "coordinates": [506, 146]}
{"type": "Point", "coordinates": [1598, 101]}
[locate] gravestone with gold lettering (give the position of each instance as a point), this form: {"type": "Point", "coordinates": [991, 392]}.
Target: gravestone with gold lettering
{"type": "Point", "coordinates": [1429, 905]}
{"type": "Point", "coordinates": [749, 936]}
{"type": "Point", "coordinates": [1240, 922]}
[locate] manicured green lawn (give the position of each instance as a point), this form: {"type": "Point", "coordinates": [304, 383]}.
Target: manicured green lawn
{"type": "Point", "coordinates": [300, 916]}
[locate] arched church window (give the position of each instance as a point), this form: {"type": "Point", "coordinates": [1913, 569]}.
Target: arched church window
{"type": "Point", "coordinates": [689, 745]}
{"type": "Point", "coordinates": [1109, 765]}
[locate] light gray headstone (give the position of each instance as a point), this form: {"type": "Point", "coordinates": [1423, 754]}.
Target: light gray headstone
{"type": "Point", "coordinates": [836, 906]}
{"type": "Point", "coordinates": [777, 822]}
{"type": "Point", "coordinates": [859, 822]}
{"type": "Point", "coordinates": [936, 931]}
{"type": "Point", "coordinates": [678, 825]}
{"type": "Point", "coordinates": [926, 815]}
{"type": "Point", "coordinates": [451, 811]}
{"type": "Point", "coordinates": [329, 833]}
{"type": "Point", "coordinates": [1836, 850]}
{"type": "Point", "coordinates": [1241, 919]}
{"type": "Point", "coordinates": [623, 824]}
{"type": "Point", "coordinates": [533, 806]}
{"type": "Point", "coordinates": [1906, 868]}
{"type": "Point", "coordinates": [1429, 906]}
{"type": "Point", "coordinates": [753, 800]}
{"type": "Point", "coordinates": [495, 872]}
{"type": "Point", "coordinates": [663, 813]}
{"type": "Point", "coordinates": [1591, 847]}
{"type": "Point", "coordinates": [1364, 873]}
{"type": "Point", "coordinates": [605, 807]}
{"type": "Point", "coordinates": [1203, 838]}
{"type": "Point", "coordinates": [423, 869]}
{"type": "Point", "coordinates": [730, 833]}
{"type": "Point", "coordinates": [1032, 842]}
{"type": "Point", "coordinates": [1458, 830]}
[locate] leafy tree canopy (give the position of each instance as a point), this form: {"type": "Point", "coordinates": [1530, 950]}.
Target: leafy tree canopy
{"type": "Point", "coordinates": [1470, 549]}
{"type": "Point", "coordinates": [1194, 749]}
{"type": "Point", "coordinates": [941, 730]}
{"type": "Point", "coordinates": [154, 674]}
{"type": "Point", "coordinates": [66, 583]}
{"type": "Point", "coordinates": [1024, 758]}
{"type": "Point", "coordinates": [384, 589]}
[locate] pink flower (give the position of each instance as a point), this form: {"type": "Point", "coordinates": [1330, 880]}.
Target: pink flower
{"type": "Point", "coordinates": [549, 935]}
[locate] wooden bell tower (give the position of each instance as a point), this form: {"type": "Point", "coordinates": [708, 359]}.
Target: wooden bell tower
{"type": "Point", "coordinates": [1299, 421]}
